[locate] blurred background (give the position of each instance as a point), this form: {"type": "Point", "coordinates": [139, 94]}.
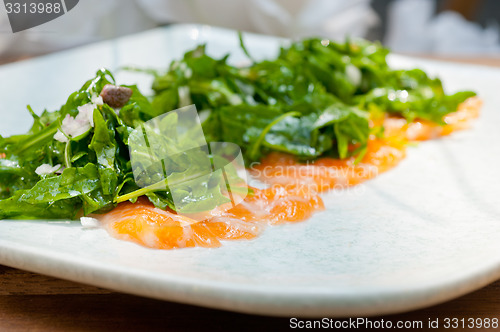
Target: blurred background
{"type": "Point", "coordinates": [434, 28]}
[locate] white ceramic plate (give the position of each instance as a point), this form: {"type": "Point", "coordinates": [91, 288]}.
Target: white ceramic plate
{"type": "Point", "coordinates": [423, 233]}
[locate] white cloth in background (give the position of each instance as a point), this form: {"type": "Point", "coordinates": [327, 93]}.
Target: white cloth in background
{"type": "Point", "coordinates": [93, 20]}
{"type": "Point", "coordinates": [413, 28]}
{"type": "Point", "coordinates": [288, 18]}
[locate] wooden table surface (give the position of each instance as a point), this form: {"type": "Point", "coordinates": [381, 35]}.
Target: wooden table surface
{"type": "Point", "coordinates": [33, 302]}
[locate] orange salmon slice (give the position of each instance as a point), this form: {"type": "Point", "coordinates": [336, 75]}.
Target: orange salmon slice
{"type": "Point", "coordinates": [292, 197]}
{"type": "Point", "coordinates": [151, 227]}
{"type": "Point", "coordinates": [421, 130]}
{"type": "Point", "coordinates": [329, 173]}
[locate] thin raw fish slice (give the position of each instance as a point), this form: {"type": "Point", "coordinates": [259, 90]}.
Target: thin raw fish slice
{"type": "Point", "coordinates": [421, 130]}
{"type": "Point", "coordinates": [144, 224]}
{"type": "Point", "coordinates": [279, 204]}
{"type": "Point", "coordinates": [329, 173]}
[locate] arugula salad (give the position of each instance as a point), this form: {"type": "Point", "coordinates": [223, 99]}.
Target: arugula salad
{"type": "Point", "coordinates": [314, 99]}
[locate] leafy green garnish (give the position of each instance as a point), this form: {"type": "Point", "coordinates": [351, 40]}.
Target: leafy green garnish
{"type": "Point", "coordinates": [315, 98]}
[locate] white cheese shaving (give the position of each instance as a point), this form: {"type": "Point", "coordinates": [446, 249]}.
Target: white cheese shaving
{"type": "Point", "coordinates": [76, 126]}
{"type": "Point", "coordinates": [88, 222]}
{"type": "Point", "coordinates": [97, 100]}
{"type": "Point", "coordinates": [86, 114]}
{"type": "Point", "coordinates": [46, 169]}
{"type": "Point", "coordinates": [59, 136]}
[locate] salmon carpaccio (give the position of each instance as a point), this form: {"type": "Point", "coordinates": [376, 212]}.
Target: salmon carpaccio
{"type": "Point", "coordinates": [143, 223]}
{"type": "Point", "coordinates": [292, 195]}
